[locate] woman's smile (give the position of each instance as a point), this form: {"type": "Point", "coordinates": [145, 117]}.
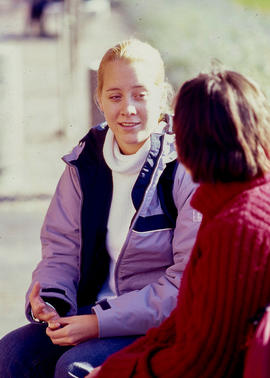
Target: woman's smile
{"type": "Point", "coordinates": [129, 125]}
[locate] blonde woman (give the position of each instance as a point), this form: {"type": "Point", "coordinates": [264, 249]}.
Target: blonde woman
{"type": "Point", "coordinates": [113, 247]}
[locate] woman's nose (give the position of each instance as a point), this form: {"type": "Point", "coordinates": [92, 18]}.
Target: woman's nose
{"type": "Point", "coordinates": [128, 108]}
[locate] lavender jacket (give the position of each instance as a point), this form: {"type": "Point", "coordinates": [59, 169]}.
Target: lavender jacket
{"type": "Point", "coordinates": [75, 262]}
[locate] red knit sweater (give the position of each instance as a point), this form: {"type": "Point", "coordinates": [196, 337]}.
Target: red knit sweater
{"type": "Point", "coordinates": [225, 283]}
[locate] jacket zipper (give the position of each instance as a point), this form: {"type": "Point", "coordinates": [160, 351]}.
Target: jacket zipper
{"type": "Point", "coordinates": [133, 221]}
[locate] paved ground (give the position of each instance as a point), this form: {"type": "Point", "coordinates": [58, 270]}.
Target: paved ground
{"type": "Point", "coordinates": [35, 150]}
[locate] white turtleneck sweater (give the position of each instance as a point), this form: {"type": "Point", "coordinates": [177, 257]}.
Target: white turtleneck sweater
{"type": "Point", "coordinates": [125, 170]}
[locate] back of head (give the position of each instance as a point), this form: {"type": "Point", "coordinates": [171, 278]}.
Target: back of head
{"type": "Point", "coordinates": [222, 126]}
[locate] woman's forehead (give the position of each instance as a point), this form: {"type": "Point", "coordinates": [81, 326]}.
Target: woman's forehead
{"type": "Point", "coordinates": [122, 73]}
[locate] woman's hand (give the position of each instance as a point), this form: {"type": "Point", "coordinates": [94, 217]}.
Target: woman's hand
{"type": "Point", "coordinates": [73, 329]}
{"type": "Point", "coordinates": [94, 373]}
{"type": "Point", "coordinates": [40, 309]}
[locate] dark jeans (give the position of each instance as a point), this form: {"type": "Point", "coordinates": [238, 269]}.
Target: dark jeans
{"type": "Point", "coordinates": [29, 353]}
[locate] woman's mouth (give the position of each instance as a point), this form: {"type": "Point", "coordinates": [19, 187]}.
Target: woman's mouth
{"type": "Point", "coordinates": [128, 124]}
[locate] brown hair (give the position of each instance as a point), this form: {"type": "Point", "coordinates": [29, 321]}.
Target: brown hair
{"type": "Point", "coordinates": [134, 50]}
{"type": "Point", "coordinates": [222, 126]}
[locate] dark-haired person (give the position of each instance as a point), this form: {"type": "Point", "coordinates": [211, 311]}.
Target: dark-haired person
{"type": "Point", "coordinates": [222, 126]}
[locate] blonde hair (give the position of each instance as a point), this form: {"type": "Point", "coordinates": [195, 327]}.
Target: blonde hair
{"type": "Point", "coordinates": [134, 50]}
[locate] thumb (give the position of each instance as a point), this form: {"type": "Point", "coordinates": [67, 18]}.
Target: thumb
{"type": "Point", "coordinates": [56, 323]}
{"type": "Point", "coordinates": [35, 290]}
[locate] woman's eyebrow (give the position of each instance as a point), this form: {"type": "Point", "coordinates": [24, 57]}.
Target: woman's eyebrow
{"type": "Point", "coordinates": [119, 89]}
{"type": "Point", "coordinates": [112, 89]}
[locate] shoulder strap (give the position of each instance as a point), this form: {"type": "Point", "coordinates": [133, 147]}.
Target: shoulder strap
{"type": "Point", "coordinates": [165, 191]}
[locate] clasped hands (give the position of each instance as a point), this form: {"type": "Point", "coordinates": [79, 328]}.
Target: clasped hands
{"type": "Point", "coordinates": [70, 330]}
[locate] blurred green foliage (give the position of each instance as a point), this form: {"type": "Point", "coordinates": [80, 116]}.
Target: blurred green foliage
{"type": "Point", "coordinates": [256, 4]}
{"type": "Point", "coordinates": [190, 33]}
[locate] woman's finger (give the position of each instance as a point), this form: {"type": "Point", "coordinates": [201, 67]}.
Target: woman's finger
{"type": "Point", "coordinates": [35, 291]}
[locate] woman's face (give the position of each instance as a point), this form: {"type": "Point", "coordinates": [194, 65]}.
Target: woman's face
{"type": "Point", "coordinates": [131, 102]}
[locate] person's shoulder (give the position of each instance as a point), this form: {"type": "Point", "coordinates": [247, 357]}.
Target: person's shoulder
{"type": "Point", "coordinates": [249, 209]}
{"type": "Point", "coordinates": [183, 178]}
{"type": "Point", "coordinates": [95, 132]}
{"type": "Point", "coordinates": [90, 144]}
{"type": "Point", "coordinates": [93, 141]}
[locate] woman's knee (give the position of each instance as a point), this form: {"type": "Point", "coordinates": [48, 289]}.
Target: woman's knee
{"type": "Point", "coordinates": [66, 367]}
{"type": "Point", "coordinates": [27, 351]}
{"type": "Point", "coordinates": [77, 361]}
{"type": "Point", "coordinates": [18, 342]}
{"type": "Point", "coordinates": [16, 351]}
{"type": "Point", "coordinates": [80, 359]}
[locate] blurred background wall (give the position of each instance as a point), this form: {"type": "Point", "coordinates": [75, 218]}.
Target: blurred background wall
{"type": "Point", "coordinates": [47, 79]}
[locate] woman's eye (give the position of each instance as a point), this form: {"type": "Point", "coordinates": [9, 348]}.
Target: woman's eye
{"type": "Point", "coordinates": [140, 95]}
{"type": "Point", "coordinates": [115, 97]}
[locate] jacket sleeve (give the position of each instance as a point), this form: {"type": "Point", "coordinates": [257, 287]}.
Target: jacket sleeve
{"type": "Point", "coordinates": [136, 311]}
{"type": "Point", "coordinates": [60, 239]}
